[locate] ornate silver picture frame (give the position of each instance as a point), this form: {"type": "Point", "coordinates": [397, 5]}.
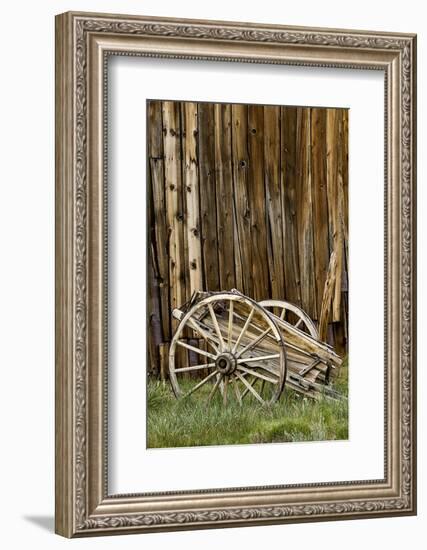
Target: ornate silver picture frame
{"type": "Point", "coordinates": [84, 42]}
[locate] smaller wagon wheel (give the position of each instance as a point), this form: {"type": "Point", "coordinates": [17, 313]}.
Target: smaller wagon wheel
{"type": "Point", "coordinates": [303, 321]}
{"type": "Point", "coordinates": [238, 351]}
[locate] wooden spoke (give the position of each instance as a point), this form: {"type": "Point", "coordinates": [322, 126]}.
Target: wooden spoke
{"type": "Point", "coordinates": [230, 324]}
{"type": "Point", "coordinates": [299, 323]}
{"type": "Point", "coordinates": [209, 331]}
{"type": "Point", "coordinates": [259, 358]}
{"type": "Point", "coordinates": [225, 390]}
{"type": "Point", "coordinates": [201, 383]}
{"type": "Point", "coordinates": [215, 387]}
{"type": "Point", "coordinates": [254, 342]}
{"type": "Point", "coordinates": [249, 387]}
{"type": "Point", "coordinates": [196, 367]}
{"type": "Point", "coordinates": [258, 375]}
{"type": "Point", "coordinates": [303, 323]}
{"type": "Point", "coordinates": [244, 329]}
{"type": "Point", "coordinates": [211, 335]}
{"type": "Point", "coordinates": [236, 389]}
{"type": "Point", "coordinates": [256, 328]}
{"type": "Point", "coordinates": [196, 350]}
{"type": "Point", "coordinates": [215, 322]}
{"type": "Point", "coordinates": [205, 335]}
{"type": "Point", "coordinates": [252, 383]}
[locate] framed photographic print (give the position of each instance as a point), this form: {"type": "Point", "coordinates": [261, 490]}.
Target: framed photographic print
{"type": "Point", "coordinates": [235, 274]}
{"type": "Point", "coordinates": [233, 186]}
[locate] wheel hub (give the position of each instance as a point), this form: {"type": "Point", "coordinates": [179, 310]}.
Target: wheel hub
{"type": "Point", "coordinates": [225, 363]}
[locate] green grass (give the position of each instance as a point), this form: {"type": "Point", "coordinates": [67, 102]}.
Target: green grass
{"type": "Point", "coordinates": [190, 422]}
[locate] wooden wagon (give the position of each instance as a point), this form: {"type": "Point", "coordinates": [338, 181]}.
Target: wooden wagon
{"type": "Point", "coordinates": [243, 346]}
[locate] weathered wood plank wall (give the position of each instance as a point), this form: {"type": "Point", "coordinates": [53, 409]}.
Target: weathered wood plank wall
{"type": "Point", "coordinates": [249, 197]}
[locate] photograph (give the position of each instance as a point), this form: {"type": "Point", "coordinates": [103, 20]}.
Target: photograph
{"type": "Point", "coordinates": [247, 273]}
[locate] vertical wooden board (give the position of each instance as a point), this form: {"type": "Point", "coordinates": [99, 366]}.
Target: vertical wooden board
{"type": "Point", "coordinates": [331, 336]}
{"type": "Point", "coordinates": [164, 360]}
{"type": "Point", "coordinates": [320, 202]}
{"type": "Point", "coordinates": [344, 150]}
{"type": "Point", "coordinates": [334, 191]}
{"type": "Point", "coordinates": [305, 212]}
{"type": "Point", "coordinates": [158, 203]}
{"type": "Point", "coordinates": [288, 117]}
{"type": "Point", "coordinates": [182, 359]}
{"type": "Point", "coordinates": [331, 173]}
{"type": "Point", "coordinates": [241, 199]}
{"type": "Point", "coordinates": [174, 202]}
{"type": "Point", "coordinates": [344, 171]}
{"type": "Point", "coordinates": [344, 316]}
{"type": "Point", "coordinates": [274, 200]}
{"type": "Point", "coordinates": [206, 147]}
{"type": "Point", "coordinates": [327, 297]}
{"type": "Point", "coordinates": [340, 344]}
{"type": "Point", "coordinates": [342, 274]}
{"type": "Point", "coordinates": [257, 204]}
{"type": "Point", "coordinates": [193, 257]}
{"type": "Point", "coordinates": [238, 265]}
{"type": "Point", "coordinates": [183, 198]}
{"type": "Point", "coordinates": [224, 195]}
{"type": "Point", "coordinates": [193, 357]}
{"type": "Point", "coordinates": [344, 321]}
{"type": "Point", "coordinates": [203, 360]}
{"type": "Point", "coordinates": [154, 336]}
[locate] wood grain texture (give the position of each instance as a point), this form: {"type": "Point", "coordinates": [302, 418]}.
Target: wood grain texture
{"type": "Point", "coordinates": [224, 196]}
{"type": "Point", "coordinates": [273, 200]}
{"type": "Point", "coordinates": [256, 194]}
{"type": "Point", "coordinates": [305, 212]}
{"type": "Point", "coordinates": [191, 182]}
{"type": "Point", "coordinates": [344, 163]}
{"type": "Point", "coordinates": [243, 235]}
{"type": "Point", "coordinates": [328, 294]}
{"type": "Point", "coordinates": [206, 148]}
{"type": "Point", "coordinates": [334, 190]}
{"type": "Point", "coordinates": [174, 202]}
{"type": "Point", "coordinates": [153, 315]}
{"type": "Point", "coordinates": [320, 202]}
{"type": "Point", "coordinates": [250, 197]}
{"type": "Point", "coordinates": [158, 225]}
{"type": "Point", "coordinates": [289, 204]}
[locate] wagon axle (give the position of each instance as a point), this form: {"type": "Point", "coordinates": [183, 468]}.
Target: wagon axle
{"type": "Point", "coordinates": [226, 363]}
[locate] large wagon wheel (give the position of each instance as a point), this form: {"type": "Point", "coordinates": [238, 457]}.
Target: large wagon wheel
{"type": "Point", "coordinates": [302, 322]}
{"type": "Point", "coordinates": [239, 351]}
